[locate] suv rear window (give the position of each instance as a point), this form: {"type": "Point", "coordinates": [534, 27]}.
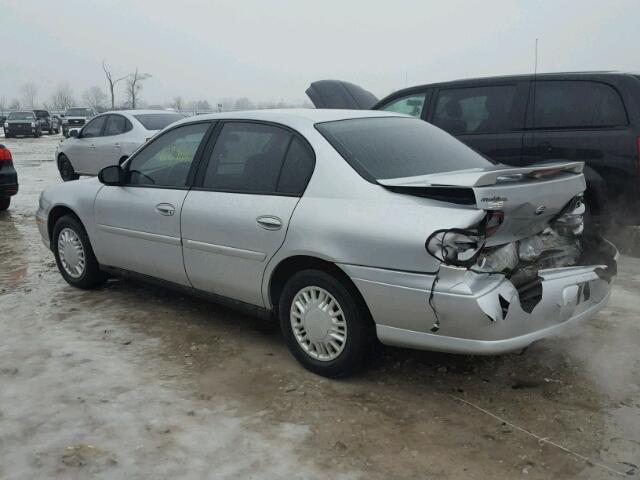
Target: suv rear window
{"type": "Point", "coordinates": [157, 121]}
{"type": "Point", "coordinates": [577, 104]}
{"type": "Point", "coordinates": [396, 147]}
{"type": "Point", "coordinates": [477, 110]}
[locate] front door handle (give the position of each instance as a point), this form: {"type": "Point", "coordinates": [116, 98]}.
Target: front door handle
{"type": "Point", "coordinates": [116, 146]}
{"type": "Point", "coordinates": [92, 147]}
{"type": "Point", "coordinates": [165, 209]}
{"type": "Point", "coordinates": [269, 222]}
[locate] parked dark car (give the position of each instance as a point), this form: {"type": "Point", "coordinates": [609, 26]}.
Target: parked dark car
{"type": "Point", "coordinates": [8, 178]}
{"type": "Point", "coordinates": [520, 120]}
{"type": "Point", "coordinates": [22, 123]}
{"type": "Point", "coordinates": [47, 122]}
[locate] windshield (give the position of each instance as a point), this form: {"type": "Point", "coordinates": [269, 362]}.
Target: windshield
{"type": "Point", "coordinates": [395, 147]}
{"type": "Point", "coordinates": [21, 116]}
{"type": "Point", "coordinates": [157, 121]}
{"type": "Point", "coordinates": [79, 112]}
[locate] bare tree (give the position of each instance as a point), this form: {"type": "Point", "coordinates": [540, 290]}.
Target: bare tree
{"type": "Point", "coordinates": [112, 83]}
{"type": "Point", "coordinates": [134, 86]}
{"type": "Point", "coordinates": [244, 103]}
{"type": "Point", "coordinates": [28, 92]}
{"type": "Point", "coordinates": [15, 104]}
{"type": "Point", "coordinates": [201, 106]}
{"type": "Point", "coordinates": [177, 103]}
{"type": "Point", "coordinates": [62, 97]}
{"type": "Point", "coordinates": [3, 104]}
{"type": "Point", "coordinates": [95, 98]}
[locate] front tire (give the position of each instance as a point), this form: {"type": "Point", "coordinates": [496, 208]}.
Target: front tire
{"type": "Point", "coordinates": [325, 324]}
{"type": "Point", "coordinates": [66, 169]}
{"type": "Point", "coordinates": [4, 203]}
{"type": "Point", "coordinates": [74, 256]}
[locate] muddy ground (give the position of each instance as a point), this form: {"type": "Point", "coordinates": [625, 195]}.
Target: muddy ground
{"type": "Point", "coordinates": [133, 381]}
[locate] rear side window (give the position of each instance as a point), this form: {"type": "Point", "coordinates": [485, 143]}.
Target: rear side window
{"type": "Point", "coordinates": [397, 147]}
{"type": "Point", "coordinates": [409, 105]}
{"type": "Point", "coordinates": [297, 168]}
{"type": "Point", "coordinates": [577, 104]}
{"type": "Point", "coordinates": [247, 157]}
{"type": "Point", "coordinates": [157, 121]}
{"type": "Point", "coordinates": [477, 110]}
{"type": "Point", "coordinates": [116, 125]}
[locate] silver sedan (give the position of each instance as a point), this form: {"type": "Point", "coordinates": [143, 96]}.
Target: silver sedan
{"type": "Point", "coordinates": [108, 139]}
{"type": "Point", "coordinates": [350, 227]}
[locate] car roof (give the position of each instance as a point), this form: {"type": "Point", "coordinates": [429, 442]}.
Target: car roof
{"type": "Point", "coordinates": [141, 112]}
{"type": "Point", "coordinates": [293, 116]}
{"type": "Point", "coordinates": [514, 78]}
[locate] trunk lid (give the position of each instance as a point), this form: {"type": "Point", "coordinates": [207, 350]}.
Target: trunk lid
{"type": "Point", "coordinates": [340, 94]}
{"type": "Point", "coordinates": [529, 196]}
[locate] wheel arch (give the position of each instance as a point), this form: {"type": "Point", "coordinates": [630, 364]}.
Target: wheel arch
{"type": "Point", "coordinates": [55, 214]}
{"type": "Point", "coordinates": [291, 265]}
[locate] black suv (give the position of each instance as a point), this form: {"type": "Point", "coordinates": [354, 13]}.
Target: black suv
{"type": "Point", "coordinates": [519, 120]}
{"type": "Point", "coordinates": [47, 123]}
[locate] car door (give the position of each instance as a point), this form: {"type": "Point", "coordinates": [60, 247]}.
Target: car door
{"type": "Point", "coordinates": [236, 216]}
{"type": "Point", "coordinates": [109, 147]}
{"type": "Point", "coordinates": [138, 223]}
{"type": "Point", "coordinates": [487, 117]}
{"type": "Point", "coordinates": [82, 150]}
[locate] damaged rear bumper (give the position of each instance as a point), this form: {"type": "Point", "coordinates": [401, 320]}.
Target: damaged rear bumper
{"type": "Point", "coordinates": [480, 313]}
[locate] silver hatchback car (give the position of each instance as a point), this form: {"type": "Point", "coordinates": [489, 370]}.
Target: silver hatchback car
{"type": "Point", "coordinates": [349, 226]}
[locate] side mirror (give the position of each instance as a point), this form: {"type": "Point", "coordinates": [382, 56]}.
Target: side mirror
{"type": "Point", "coordinates": [112, 175]}
{"type": "Point", "coordinates": [73, 132]}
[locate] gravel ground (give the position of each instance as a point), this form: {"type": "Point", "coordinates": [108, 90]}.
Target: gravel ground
{"type": "Point", "coordinates": [133, 381]}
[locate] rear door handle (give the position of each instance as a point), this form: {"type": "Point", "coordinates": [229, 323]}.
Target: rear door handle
{"type": "Point", "coordinates": [92, 147]}
{"type": "Point", "coordinates": [116, 146]}
{"type": "Point", "coordinates": [165, 209]}
{"type": "Point", "coordinates": [269, 222]}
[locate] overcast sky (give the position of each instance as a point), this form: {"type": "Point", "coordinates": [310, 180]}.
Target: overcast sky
{"type": "Point", "coordinates": [273, 49]}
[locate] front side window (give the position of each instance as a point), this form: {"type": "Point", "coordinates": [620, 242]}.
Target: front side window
{"type": "Point", "coordinates": [577, 104]}
{"type": "Point", "coordinates": [166, 161]}
{"type": "Point", "coordinates": [116, 125]}
{"type": "Point", "coordinates": [93, 128]}
{"type": "Point", "coordinates": [477, 110]}
{"type": "Point", "coordinates": [409, 105]}
{"type": "Point", "coordinates": [247, 157]}
{"type": "Point", "coordinates": [396, 147]}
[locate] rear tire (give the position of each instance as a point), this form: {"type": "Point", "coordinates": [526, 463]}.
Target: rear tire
{"type": "Point", "coordinates": [67, 173]}
{"type": "Point", "coordinates": [312, 333]}
{"type": "Point", "coordinates": [4, 203]}
{"type": "Point", "coordinates": [74, 256]}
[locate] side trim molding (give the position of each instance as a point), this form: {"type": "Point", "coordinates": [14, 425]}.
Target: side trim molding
{"type": "Point", "coordinates": [224, 250]}
{"type": "Point", "coordinates": [154, 237]}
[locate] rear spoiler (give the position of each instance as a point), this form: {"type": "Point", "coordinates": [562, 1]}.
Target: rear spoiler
{"type": "Point", "coordinates": [482, 177]}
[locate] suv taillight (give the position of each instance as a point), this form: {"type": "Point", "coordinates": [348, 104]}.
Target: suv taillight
{"type": "Point", "coordinates": [5, 154]}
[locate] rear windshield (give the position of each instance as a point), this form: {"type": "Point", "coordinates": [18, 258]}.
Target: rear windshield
{"type": "Point", "coordinates": [396, 147]}
{"type": "Point", "coordinates": [79, 112]}
{"type": "Point", "coordinates": [157, 121]}
{"type": "Point", "coordinates": [21, 116]}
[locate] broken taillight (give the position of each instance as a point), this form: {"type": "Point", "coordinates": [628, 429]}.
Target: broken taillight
{"type": "Point", "coordinates": [493, 222]}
